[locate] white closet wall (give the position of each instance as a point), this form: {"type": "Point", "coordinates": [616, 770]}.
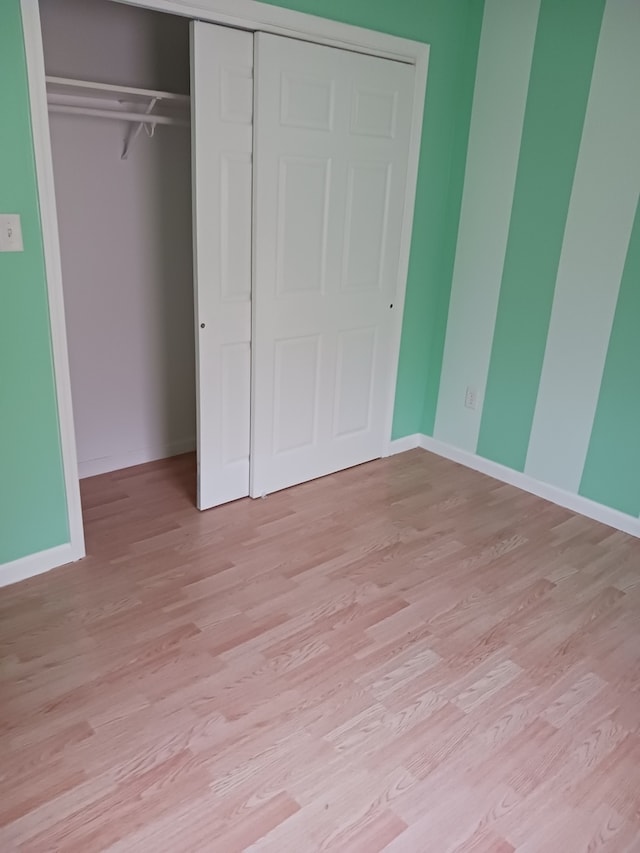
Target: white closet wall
{"type": "Point", "coordinates": [125, 230]}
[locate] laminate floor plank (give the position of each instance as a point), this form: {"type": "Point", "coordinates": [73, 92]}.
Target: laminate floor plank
{"type": "Point", "coordinates": [404, 656]}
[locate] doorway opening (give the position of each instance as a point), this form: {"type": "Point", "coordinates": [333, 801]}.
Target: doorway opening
{"type": "Point", "coordinates": [123, 198]}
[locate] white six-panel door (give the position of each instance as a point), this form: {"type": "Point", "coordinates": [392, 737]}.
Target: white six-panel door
{"type": "Point", "coordinates": [222, 128]}
{"type": "Point", "coordinates": [331, 142]}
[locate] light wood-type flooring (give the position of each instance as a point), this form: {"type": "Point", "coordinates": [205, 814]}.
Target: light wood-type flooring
{"type": "Point", "coordinates": [405, 656]}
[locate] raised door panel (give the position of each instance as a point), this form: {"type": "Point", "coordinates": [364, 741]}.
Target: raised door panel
{"type": "Point", "coordinates": [297, 363]}
{"type": "Point", "coordinates": [354, 381]}
{"type": "Point", "coordinates": [235, 237]}
{"type": "Point", "coordinates": [366, 225]}
{"type": "Point", "coordinates": [303, 188]}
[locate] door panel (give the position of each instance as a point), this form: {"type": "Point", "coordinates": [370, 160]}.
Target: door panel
{"type": "Point", "coordinates": [222, 143]}
{"type": "Point", "coordinates": [235, 236]}
{"type": "Point", "coordinates": [296, 392]}
{"type": "Point", "coordinates": [331, 142]}
{"type": "Point", "coordinates": [366, 225]}
{"type": "Point", "coordinates": [354, 381]}
{"type": "Point", "coordinates": [306, 102]}
{"type": "Point", "coordinates": [302, 224]}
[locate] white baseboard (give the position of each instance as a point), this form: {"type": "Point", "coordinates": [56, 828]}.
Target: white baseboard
{"type": "Point", "coordinates": [409, 442]}
{"type": "Point", "coordinates": [104, 464]}
{"type": "Point", "coordinates": [37, 564]}
{"type": "Point", "coordinates": [576, 503]}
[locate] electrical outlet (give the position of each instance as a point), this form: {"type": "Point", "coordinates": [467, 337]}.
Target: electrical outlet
{"type": "Point", "coordinates": [10, 233]}
{"type": "Point", "coordinates": [471, 397]}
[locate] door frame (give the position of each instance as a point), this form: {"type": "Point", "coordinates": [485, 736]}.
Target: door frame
{"type": "Point", "coordinates": [250, 15]}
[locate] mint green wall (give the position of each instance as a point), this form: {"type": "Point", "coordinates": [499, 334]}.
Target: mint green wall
{"type": "Point", "coordinates": [32, 497]}
{"type": "Point", "coordinates": [549, 339]}
{"type": "Point", "coordinates": [452, 28]}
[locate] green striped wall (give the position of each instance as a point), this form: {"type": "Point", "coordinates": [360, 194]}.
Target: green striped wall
{"type": "Point", "coordinates": [526, 233]}
{"type": "Point", "coordinates": [545, 295]}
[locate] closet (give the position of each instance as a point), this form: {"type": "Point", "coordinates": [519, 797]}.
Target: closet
{"type": "Point", "coordinates": [125, 227]}
{"type": "Point", "coordinates": [298, 154]}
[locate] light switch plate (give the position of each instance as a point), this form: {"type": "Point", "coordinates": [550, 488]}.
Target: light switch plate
{"type": "Point", "coordinates": [10, 233]}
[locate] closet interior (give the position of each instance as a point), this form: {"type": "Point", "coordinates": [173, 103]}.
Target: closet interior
{"type": "Point", "coordinates": [118, 97]}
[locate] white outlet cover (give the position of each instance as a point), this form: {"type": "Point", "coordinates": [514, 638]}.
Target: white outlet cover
{"type": "Point", "coordinates": [471, 397]}
{"type": "Point", "coordinates": [10, 233]}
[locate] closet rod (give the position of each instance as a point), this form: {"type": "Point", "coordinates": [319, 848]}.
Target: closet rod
{"type": "Point", "coordinates": [141, 118]}
{"type": "Point", "coordinates": [112, 89]}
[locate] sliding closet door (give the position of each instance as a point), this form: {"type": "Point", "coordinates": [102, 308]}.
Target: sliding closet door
{"type": "Point", "coordinates": [222, 107]}
{"type": "Point", "coordinates": [331, 144]}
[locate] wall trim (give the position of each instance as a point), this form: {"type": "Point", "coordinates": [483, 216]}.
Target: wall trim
{"type": "Point", "coordinates": [576, 503]}
{"type": "Point", "coordinates": [37, 564]}
{"type": "Point", "coordinates": [151, 453]}
{"type": "Point", "coordinates": [401, 445]}
{"type": "Point", "coordinates": [259, 15]}
{"type": "Point", "coordinates": [34, 54]}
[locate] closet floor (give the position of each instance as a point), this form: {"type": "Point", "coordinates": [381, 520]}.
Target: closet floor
{"type": "Point", "coordinates": [406, 656]}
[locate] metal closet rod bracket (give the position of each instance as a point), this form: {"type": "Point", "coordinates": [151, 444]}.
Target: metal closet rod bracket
{"type": "Point", "coordinates": [134, 132]}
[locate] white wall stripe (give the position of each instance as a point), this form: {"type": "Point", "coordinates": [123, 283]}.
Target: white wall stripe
{"type": "Point", "coordinates": [500, 96]}
{"type": "Point", "coordinates": [599, 222]}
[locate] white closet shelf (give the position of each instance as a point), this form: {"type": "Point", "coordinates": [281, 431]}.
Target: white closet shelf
{"type": "Point", "coordinates": [144, 107]}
